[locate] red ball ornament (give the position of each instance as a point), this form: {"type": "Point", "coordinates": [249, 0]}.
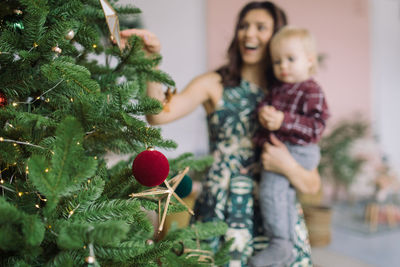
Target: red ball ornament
{"type": "Point", "coordinates": [3, 100]}
{"type": "Point", "coordinates": [150, 167]}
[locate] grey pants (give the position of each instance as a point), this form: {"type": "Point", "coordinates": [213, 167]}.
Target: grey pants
{"type": "Point", "coordinates": [278, 198]}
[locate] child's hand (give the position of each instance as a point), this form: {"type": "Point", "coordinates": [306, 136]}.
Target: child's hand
{"type": "Point", "coordinates": [151, 42]}
{"type": "Point", "coordinates": [271, 118]}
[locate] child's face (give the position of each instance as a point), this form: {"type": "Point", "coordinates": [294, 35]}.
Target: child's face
{"type": "Point", "coordinates": [290, 61]}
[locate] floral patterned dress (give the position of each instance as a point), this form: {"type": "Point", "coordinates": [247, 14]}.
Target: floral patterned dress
{"type": "Point", "coordinates": [228, 191]}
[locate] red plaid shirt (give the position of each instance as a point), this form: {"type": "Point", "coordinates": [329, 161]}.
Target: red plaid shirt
{"type": "Point", "coordinates": [305, 109]}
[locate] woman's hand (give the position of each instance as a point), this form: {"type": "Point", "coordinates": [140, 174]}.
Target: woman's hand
{"type": "Point", "coordinates": [151, 42]}
{"type": "Point", "coordinates": [277, 158]}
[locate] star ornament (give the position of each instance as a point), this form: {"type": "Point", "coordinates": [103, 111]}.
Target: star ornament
{"type": "Point", "coordinates": [160, 193]}
{"type": "Point", "coordinates": [112, 21]}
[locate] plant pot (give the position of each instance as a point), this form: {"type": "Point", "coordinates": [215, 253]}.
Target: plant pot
{"type": "Point", "coordinates": [318, 220]}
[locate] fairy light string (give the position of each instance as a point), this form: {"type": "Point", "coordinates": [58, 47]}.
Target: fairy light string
{"type": "Point", "coordinates": [39, 97]}
{"type": "Point", "coordinates": [19, 142]}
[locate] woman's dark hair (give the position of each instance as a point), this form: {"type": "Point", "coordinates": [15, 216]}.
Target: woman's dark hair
{"type": "Point", "coordinates": [230, 72]}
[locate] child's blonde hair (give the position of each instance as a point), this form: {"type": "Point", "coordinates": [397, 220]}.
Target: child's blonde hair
{"type": "Point", "coordinates": [305, 37]}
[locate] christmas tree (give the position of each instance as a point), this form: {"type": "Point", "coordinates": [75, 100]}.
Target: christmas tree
{"type": "Point", "coordinates": [61, 113]}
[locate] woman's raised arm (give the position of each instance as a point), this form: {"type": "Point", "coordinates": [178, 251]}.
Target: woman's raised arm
{"type": "Point", "coordinates": [276, 158]}
{"type": "Point", "coordinates": [197, 92]}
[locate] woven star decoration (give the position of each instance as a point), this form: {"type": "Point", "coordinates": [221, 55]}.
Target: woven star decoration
{"type": "Point", "coordinates": [202, 256]}
{"type": "Point", "coordinates": [160, 193]}
{"type": "Point", "coordinates": [112, 21]}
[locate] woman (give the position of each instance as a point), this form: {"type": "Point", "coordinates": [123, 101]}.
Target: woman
{"type": "Point", "coordinates": [229, 96]}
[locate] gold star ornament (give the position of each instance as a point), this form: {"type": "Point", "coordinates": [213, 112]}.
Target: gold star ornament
{"type": "Point", "coordinates": [163, 193]}
{"type": "Point", "coordinates": [112, 21]}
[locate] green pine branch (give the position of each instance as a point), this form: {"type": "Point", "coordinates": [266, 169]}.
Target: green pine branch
{"type": "Point", "coordinates": [65, 111]}
{"type": "Point", "coordinates": [69, 165]}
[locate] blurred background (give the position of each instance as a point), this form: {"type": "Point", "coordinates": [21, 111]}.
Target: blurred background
{"type": "Point", "coordinates": [358, 42]}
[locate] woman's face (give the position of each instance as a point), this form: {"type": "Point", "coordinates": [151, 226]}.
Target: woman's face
{"type": "Point", "coordinates": [254, 33]}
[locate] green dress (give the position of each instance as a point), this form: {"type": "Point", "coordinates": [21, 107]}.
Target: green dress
{"type": "Point", "coordinates": [228, 190]}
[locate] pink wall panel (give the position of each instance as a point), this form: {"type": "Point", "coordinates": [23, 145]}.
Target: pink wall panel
{"type": "Point", "coordinates": [341, 28]}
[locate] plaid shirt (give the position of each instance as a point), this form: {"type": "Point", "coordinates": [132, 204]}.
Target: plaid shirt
{"type": "Point", "coordinates": [305, 112]}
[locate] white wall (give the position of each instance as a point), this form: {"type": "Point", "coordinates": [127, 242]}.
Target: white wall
{"type": "Point", "coordinates": [180, 26]}
{"type": "Point", "coordinates": [385, 56]}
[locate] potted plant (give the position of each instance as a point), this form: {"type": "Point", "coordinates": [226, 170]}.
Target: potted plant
{"type": "Point", "coordinates": [338, 166]}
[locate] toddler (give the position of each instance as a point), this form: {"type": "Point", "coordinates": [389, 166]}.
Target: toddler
{"type": "Point", "coordinates": [295, 111]}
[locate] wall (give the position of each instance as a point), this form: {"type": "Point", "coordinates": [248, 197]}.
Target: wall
{"type": "Point", "coordinates": [385, 56]}
{"type": "Point", "coordinates": [180, 26]}
{"type": "Point", "coordinates": [342, 32]}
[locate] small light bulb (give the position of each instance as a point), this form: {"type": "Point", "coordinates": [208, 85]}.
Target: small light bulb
{"type": "Point", "coordinates": [37, 206]}
{"type": "Point", "coordinates": [46, 170]}
{"type": "Point", "coordinates": [90, 259]}
{"type": "Point", "coordinates": [20, 194]}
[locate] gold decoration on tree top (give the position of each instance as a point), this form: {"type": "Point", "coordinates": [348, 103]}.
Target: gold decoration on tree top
{"type": "Point", "coordinates": [112, 21]}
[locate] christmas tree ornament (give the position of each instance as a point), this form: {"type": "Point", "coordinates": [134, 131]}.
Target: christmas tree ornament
{"type": "Point", "coordinates": [11, 15]}
{"type": "Point", "coordinates": [16, 57]}
{"type": "Point", "coordinates": [160, 193]}
{"type": "Point", "coordinates": [56, 49]}
{"type": "Point", "coordinates": [112, 22]}
{"type": "Point", "coordinates": [168, 96]}
{"type": "Point", "coordinates": [149, 242]}
{"type": "Point", "coordinates": [70, 35]}
{"type": "Point", "coordinates": [3, 100]}
{"type": "Point", "coordinates": [202, 256]}
{"type": "Point", "coordinates": [185, 187]}
{"type": "Point", "coordinates": [17, 12]}
{"type": "Point", "coordinates": [150, 167]}
{"type": "Point", "coordinates": [13, 22]}
{"type": "Point", "coordinates": [18, 25]}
